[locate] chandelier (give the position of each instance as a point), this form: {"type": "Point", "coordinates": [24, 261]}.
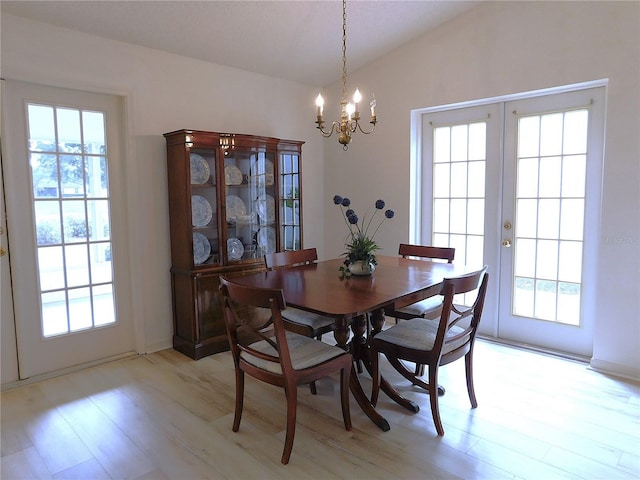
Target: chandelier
{"type": "Point", "coordinates": [350, 117]}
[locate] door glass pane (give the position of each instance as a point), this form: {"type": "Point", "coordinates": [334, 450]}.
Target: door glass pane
{"type": "Point", "coordinates": [550, 215]}
{"type": "Point", "coordinates": [68, 159]}
{"type": "Point", "coordinates": [458, 179]}
{"type": "Point", "coordinates": [48, 225]}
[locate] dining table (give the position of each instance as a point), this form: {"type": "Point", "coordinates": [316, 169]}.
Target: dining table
{"type": "Point", "coordinates": [358, 302]}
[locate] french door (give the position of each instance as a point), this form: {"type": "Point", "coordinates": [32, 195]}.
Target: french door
{"type": "Point", "coordinates": [64, 185]}
{"type": "Point", "coordinates": [550, 216]}
{"type": "Point", "coordinates": [516, 185]}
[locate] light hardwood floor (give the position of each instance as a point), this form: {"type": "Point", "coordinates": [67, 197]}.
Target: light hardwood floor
{"type": "Point", "coordinates": [165, 416]}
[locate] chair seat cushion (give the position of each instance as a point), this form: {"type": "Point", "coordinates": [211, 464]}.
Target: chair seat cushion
{"type": "Point", "coordinates": [302, 317]}
{"type": "Point", "coordinates": [429, 308]}
{"type": "Point", "coordinates": [305, 352]}
{"type": "Point", "coordinates": [420, 334]}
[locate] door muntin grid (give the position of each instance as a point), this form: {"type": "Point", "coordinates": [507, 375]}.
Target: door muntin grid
{"type": "Point", "coordinates": [459, 166]}
{"type": "Point", "coordinates": [549, 215]}
{"type": "Point", "coordinates": [70, 199]}
{"type": "Point", "coordinates": [459, 169]}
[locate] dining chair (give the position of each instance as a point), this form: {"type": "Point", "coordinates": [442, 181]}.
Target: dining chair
{"type": "Point", "coordinates": [296, 320]}
{"type": "Point", "coordinates": [268, 352]}
{"type": "Point", "coordinates": [429, 307]}
{"type": "Point", "coordinates": [434, 342]}
{"type": "Point", "coordinates": [300, 321]}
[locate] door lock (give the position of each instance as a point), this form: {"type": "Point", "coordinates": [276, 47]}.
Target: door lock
{"type": "Point", "coordinates": [507, 225]}
{"type": "Point", "coordinates": [3, 252]}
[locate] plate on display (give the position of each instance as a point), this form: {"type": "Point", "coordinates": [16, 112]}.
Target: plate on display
{"type": "Point", "coordinates": [235, 208]}
{"type": "Point", "coordinates": [200, 171]}
{"type": "Point", "coordinates": [262, 173]}
{"type": "Point", "coordinates": [267, 239]}
{"type": "Point", "coordinates": [201, 211]}
{"type": "Point", "coordinates": [265, 205]}
{"type": "Point", "coordinates": [201, 248]}
{"type": "Point", "coordinates": [235, 249]}
{"type": "Point", "coordinates": [232, 175]}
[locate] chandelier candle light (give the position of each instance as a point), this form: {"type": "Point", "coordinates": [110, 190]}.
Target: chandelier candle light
{"type": "Point", "coordinates": [350, 117]}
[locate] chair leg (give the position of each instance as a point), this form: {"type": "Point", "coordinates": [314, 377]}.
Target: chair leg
{"type": "Point", "coordinates": [312, 385]}
{"type": "Point", "coordinates": [345, 377]}
{"type": "Point", "coordinates": [468, 363]}
{"type": "Point", "coordinates": [375, 374]}
{"type": "Point", "coordinates": [239, 399]}
{"type": "Point", "coordinates": [292, 405]}
{"type": "Point", "coordinates": [433, 397]}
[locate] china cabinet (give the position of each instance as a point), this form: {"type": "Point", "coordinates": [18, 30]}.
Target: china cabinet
{"type": "Point", "coordinates": [232, 198]}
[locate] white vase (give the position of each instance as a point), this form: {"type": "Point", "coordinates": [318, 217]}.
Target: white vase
{"type": "Point", "coordinates": [361, 268]}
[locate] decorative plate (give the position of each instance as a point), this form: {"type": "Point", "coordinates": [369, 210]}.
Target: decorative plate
{"type": "Point", "coordinates": [265, 205]}
{"type": "Point", "coordinates": [200, 171]}
{"type": "Point", "coordinates": [235, 207]}
{"type": "Point", "coordinates": [262, 173]}
{"type": "Point", "coordinates": [235, 249]}
{"type": "Point", "coordinates": [201, 211]}
{"type": "Point", "coordinates": [267, 239]}
{"type": "Point", "coordinates": [232, 175]}
{"type": "Point", "coordinates": [201, 248]}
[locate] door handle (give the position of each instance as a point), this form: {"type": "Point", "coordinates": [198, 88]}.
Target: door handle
{"type": "Point", "coordinates": [506, 243]}
{"type": "Point", "coordinates": [3, 252]}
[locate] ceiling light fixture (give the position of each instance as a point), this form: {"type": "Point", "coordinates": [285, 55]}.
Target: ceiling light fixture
{"type": "Point", "coordinates": [350, 118]}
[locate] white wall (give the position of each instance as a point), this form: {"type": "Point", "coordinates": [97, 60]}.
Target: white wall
{"type": "Point", "coordinates": [506, 48]}
{"type": "Point", "coordinates": [164, 93]}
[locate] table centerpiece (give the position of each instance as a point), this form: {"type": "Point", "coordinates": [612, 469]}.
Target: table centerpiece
{"type": "Point", "coordinates": [360, 245]}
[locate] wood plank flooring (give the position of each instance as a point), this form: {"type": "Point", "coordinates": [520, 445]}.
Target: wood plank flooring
{"type": "Point", "coordinates": [165, 416]}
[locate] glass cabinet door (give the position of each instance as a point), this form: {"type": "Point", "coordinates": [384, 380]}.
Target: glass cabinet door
{"type": "Point", "coordinates": [204, 211]}
{"type": "Point", "coordinates": [290, 226]}
{"type": "Point", "coordinates": [250, 195]}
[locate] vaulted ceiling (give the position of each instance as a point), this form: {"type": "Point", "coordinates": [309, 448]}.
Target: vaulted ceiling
{"type": "Point", "coordinates": [295, 40]}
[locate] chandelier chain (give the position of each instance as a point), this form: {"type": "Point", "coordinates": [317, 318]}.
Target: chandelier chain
{"type": "Point", "coordinates": [344, 51]}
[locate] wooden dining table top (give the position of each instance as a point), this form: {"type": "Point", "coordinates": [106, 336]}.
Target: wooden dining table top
{"type": "Point", "coordinates": [317, 287]}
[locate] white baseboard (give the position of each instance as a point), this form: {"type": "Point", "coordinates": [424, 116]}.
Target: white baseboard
{"type": "Point", "coordinates": [158, 346]}
{"type": "Point", "coordinates": [616, 369]}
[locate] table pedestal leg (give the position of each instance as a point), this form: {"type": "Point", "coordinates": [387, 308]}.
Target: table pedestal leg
{"type": "Point", "coordinates": [357, 346]}
{"type": "Point", "coordinates": [377, 320]}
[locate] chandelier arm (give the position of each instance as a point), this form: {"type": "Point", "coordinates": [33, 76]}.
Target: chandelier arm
{"type": "Point", "coordinates": [334, 129]}
{"type": "Point", "coordinates": [372, 122]}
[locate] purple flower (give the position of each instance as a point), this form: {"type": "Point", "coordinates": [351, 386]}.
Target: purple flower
{"type": "Point", "coordinates": [337, 199]}
{"type": "Point", "coordinates": [353, 219]}
{"type": "Point", "coordinates": [349, 212]}
{"type": "Point", "coordinates": [346, 202]}
{"type": "Point", "coordinates": [379, 204]}
{"type": "Point", "coordinates": [389, 214]}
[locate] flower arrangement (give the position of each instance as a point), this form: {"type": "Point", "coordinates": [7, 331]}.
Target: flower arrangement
{"type": "Point", "coordinates": [360, 245]}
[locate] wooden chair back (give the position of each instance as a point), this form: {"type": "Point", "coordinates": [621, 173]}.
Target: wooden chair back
{"type": "Point", "coordinates": [466, 317]}
{"type": "Point", "coordinates": [290, 258]}
{"type": "Point", "coordinates": [242, 332]}
{"type": "Point", "coordinates": [426, 251]}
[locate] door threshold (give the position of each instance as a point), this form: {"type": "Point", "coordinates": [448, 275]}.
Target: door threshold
{"type": "Point", "coordinates": [64, 371]}
{"type": "Point", "coordinates": [535, 348]}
